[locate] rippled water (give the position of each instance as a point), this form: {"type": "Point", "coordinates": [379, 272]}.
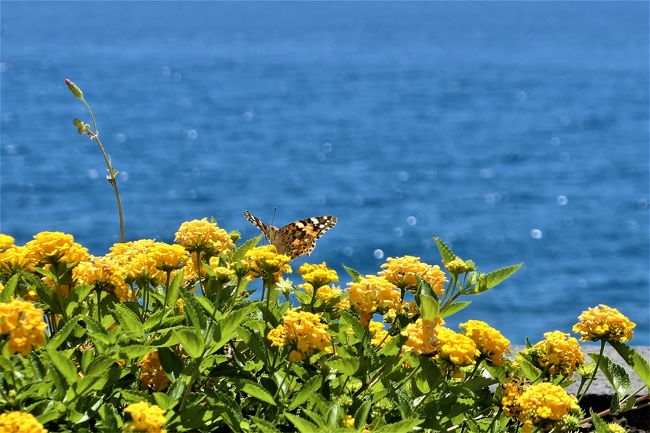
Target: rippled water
{"type": "Point", "coordinates": [515, 131]}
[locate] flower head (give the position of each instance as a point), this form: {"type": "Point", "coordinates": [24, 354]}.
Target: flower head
{"type": "Point", "coordinates": [404, 272]}
{"type": "Point", "coordinates": [558, 353]}
{"type": "Point", "coordinates": [24, 324]}
{"type": "Point", "coordinates": [459, 266]}
{"type": "Point", "coordinates": [372, 294]}
{"type": "Point", "coordinates": [267, 263]}
{"type": "Point", "coordinates": [326, 293]}
{"type": "Point", "coordinates": [169, 257]}
{"type": "Point", "coordinates": [20, 422]}
{"type": "Point", "coordinates": [318, 275]}
{"type": "Point", "coordinates": [455, 348]}
{"type": "Point", "coordinates": [490, 342]}
{"type": "Point", "coordinates": [604, 323]}
{"type": "Point", "coordinates": [16, 258]}
{"type": "Point", "coordinates": [146, 418]}
{"type": "Point", "coordinates": [54, 247]}
{"type": "Point", "coordinates": [6, 241]}
{"type": "Point", "coordinates": [304, 332]}
{"type": "Point", "coordinates": [138, 261]}
{"type": "Point", "coordinates": [104, 274]}
{"type": "Point", "coordinates": [222, 273]}
{"type": "Point", "coordinates": [152, 375]}
{"type": "Point", "coordinates": [204, 236]}
{"type": "Point", "coordinates": [421, 336]}
{"type": "Point", "coordinates": [544, 405]}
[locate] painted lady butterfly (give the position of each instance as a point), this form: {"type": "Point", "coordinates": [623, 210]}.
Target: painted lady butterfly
{"type": "Point", "coordinates": [296, 238]}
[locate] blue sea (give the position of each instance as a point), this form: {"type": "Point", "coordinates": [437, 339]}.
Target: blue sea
{"type": "Point", "coordinates": [515, 131]}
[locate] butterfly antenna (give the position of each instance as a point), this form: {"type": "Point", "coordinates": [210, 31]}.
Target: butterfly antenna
{"type": "Point", "coordinates": [273, 217]}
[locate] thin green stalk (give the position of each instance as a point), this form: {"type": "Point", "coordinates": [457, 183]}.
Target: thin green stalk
{"type": "Point", "coordinates": [165, 303]}
{"type": "Point", "coordinates": [593, 376]}
{"type": "Point", "coordinates": [99, 312]}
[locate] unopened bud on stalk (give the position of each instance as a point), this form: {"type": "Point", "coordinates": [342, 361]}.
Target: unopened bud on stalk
{"type": "Point", "coordinates": [76, 91]}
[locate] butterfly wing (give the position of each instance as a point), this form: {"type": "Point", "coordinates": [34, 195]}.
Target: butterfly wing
{"type": "Point", "coordinates": [264, 228]}
{"type": "Point", "coordinates": [299, 237]}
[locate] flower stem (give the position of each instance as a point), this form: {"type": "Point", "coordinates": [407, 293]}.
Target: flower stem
{"type": "Point", "coordinates": [593, 376]}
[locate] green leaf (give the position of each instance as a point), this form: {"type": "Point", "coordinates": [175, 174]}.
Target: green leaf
{"type": "Point", "coordinates": [264, 426]}
{"type": "Point", "coordinates": [174, 289]}
{"type": "Point", "coordinates": [63, 365]}
{"type": "Point", "coordinates": [445, 252]}
{"type": "Point", "coordinates": [191, 340]}
{"type": "Point", "coordinates": [347, 366]}
{"type": "Point", "coordinates": [302, 424]}
{"type": "Point", "coordinates": [615, 374]}
{"type": "Point", "coordinates": [403, 426]}
{"type": "Point", "coordinates": [424, 288]}
{"type": "Point", "coordinates": [453, 308]}
{"type": "Point", "coordinates": [528, 369]}
{"type": "Point", "coordinates": [494, 278]}
{"type": "Point", "coordinates": [256, 390]}
{"type": "Point", "coordinates": [64, 332]}
{"type": "Point", "coordinates": [194, 314]}
{"type": "Point", "coordinates": [361, 415]}
{"type": "Point", "coordinates": [226, 327]}
{"type": "Point", "coordinates": [430, 307]}
{"type": "Point", "coordinates": [354, 274]}
{"type": "Point", "coordinates": [96, 331]}
{"type": "Point", "coordinates": [632, 358]}
{"type": "Point", "coordinates": [600, 425]}
{"type": "Point", "coordinates": [307, 390]}
{"type": "Point", "coordinates": [128, 320]}
{"type": "Point", "coordinates": [241, 251]}
{"type": "Point", "coordinates": [9, 289]}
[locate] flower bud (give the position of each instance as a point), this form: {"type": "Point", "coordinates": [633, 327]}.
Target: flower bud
{"type": "Point", "coordinates": [78, 123]}
{"type": "Point", "coordinates": [76, 91]}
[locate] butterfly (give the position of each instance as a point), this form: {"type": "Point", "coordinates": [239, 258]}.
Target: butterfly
{"type": "Point", "coordinates": [296, 238]}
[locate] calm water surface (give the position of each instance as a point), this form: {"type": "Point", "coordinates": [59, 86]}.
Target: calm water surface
{"type": "Point", "coordinates": [515, 131]}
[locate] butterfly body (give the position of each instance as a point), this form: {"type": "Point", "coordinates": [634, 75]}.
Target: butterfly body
{"type": "Point", "coordinates": [296, 238]}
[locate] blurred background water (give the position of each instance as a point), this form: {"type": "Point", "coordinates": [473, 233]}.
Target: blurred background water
{"type": "Point", "coordinates": [515, 131]}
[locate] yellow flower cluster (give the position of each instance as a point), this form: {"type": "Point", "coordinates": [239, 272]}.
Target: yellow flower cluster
{"type": "Point", "coordinates": [378, 333]}
{"type": "Point", "coordinates": [137, 259]}
{"type": "Point", "coordinates": [403, 273]}
{"type": "Point", "coordinates": [146, 418]}
{"type": "Point", "coordinates": [544, 405]}
{"type": "Point", "coordinates": [459, 266]}
{"type": "Point", "coordinates": [372, 294]}
{"type": "Point", "coordinates": [20, 422]}
{"type": "Point", "coordinates": [53, 247]}
{"type": "Point", "coordinates": [169, 257]}
{"type": "Point", "coordinates": [604, 323]}
{"type": "Point", "coordinates": [24, 324]}
{"type": "Point", "coordinates": [558, 353]}
{"type": "Point", "coordinates": [6, 242]}
{"type": "Point", "coordinates": [348, 422]}
{"type": "Point", "coordinates": [152, 375]}
{"type": "Point", "coordinates": [15, 258]}
{"type": "Point", "coordinates": [510, 399]}
{"type": "Point", "coordinates": [104, 274]}
{"type": "Point", "coordinates": [318, 275]}
{"type": "Point", "coordinates": [267, 263]}
{"type": "Point", "coordinates": [489, 341]}
{"type": "Point", "coordinates": [204, 236]}
{"type": "Point", "coordinates": [222, 273]}
{"type": "Point", "coordinates": [303, 331]}
{"type": "Point", "coordinates": [421, 336]}
{"type": "Point", "coordinates": [455, 348]}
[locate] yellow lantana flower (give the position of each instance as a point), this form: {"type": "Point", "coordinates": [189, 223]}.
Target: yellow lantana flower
{"type": "Point", "coordinates": [104, 274]}
{"type": "Point", "coordinates": [558, 353]}
{"type": "Point", "coordinates": [421, 336]}
{"type": "Point", "coordinates": [404, 271]}
{"type": "Point", "coordinates": [152, 375]}
{"type": "Point", "coordinates": [146, 418]}
{"type": "Point", "coordinates": [604, 323]}
{"type": "Point", "coordinates": [267, 263]}
{"type": "Point", "coordinates": [304, 332]}
{"type": "Point", "coordinates": [373, 294]}
{"type": "Point", "coordinates": [53, 247]}
{"type": "Point", "coordinates": [455, 348]}
{"type": "Point", "coordinates": [20, 422]}
{"type": "Point", "coordinates": [545, 405]}
{"type": "Point", "coordinates": [318, 275]}
{"type": "Point", "coordinates": [24, 324]}
{"type": "Point", "coordinates": [204, 236]}
{"type": "Point", "coordinates": [489, 341]}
